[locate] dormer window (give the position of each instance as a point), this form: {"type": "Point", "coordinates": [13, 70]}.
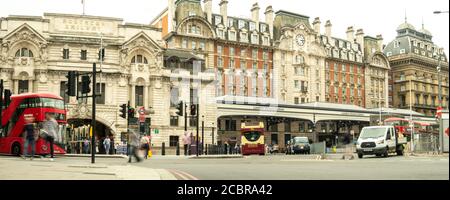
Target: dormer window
{"type": "Point", "coordinates": [244, 37]}
{"type": "Point", "coordinates": [194, 29]}
{"type": "Point", "coordinates": [396, 44]}
{"type": "Point", "coordinates": [218, 20]}
{"type": "Point", "coordinates": [191, 13]}
{"type": "Point", "coordinates": [232, 35]}
{"type": "Point", "coordinates": [230, 22]}
{"type": "Point", "coordinates": [220, 34]}
{"type": "Point", "coordinates": [255, 39]}
{"type": "Point", "coordinates": [139, 59]}
{"type": "Point", "coordinates": [252, 26]}
{"type": "Point", "coordinates": [263, 28]}
{"type": "Point", "coordinates": [241, 24]}
{"type": "Point", "coordinates": [266, 40]}
{"type": "Point", "coordinates": [24, 52]}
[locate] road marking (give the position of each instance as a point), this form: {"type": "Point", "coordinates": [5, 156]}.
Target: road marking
{"type": "Point", "coordinates": [303, 160]}
{"type": "Point", "coordinates": [182, 175]}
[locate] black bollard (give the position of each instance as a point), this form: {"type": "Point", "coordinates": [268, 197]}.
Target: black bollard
{"type": "Point", "coordinates": [163, 149]}
{"type": "Point", "coordinates": [178, 148]}
{"type": "Point", "coordinates": [206, 150]}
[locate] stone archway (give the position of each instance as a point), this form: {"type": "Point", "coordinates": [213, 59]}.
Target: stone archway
{"type": "Point", "coordinates": [79, 131]}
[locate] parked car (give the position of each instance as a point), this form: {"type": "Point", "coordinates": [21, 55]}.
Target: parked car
{"type": "Point", "coordinates": [300, 145]}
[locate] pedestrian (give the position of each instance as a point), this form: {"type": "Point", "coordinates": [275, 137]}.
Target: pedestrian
{"type": "Point", "coordinates": [145, 144]}
{"type": "Point", "coordinates": [30, 137]}
{"type": "Point", "coordinates": [107, 145]}
{"type": "Point", "coordinates": [348, 148]}
{"type": "Point", "coordinates": [86, 146]}
{"type": "Point", "coordinates": [50, 128]}
{"type": "Point", "coordinates": [134, 147]}
{"type": "Point", "coordinates": [186, 143]}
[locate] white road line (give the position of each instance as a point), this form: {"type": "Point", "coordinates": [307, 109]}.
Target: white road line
{"type": "Point", "coordinates": [188, 175]}
{"type": "Point", "coordinates": [179, 174]}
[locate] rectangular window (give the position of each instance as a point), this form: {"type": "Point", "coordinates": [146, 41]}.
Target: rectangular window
{"type": "Point", "coordinates": [173, 141]}
{"type": "Point", "coordinates": [83, 54]}
{"type": "Point", "coordinates": [297, 84]}
{"type": "Point", "coordinates": [243, 53]}
{"type": "Point", "coordinates": [230, 125]}
{"type": "Point", "coordinates": [101, 54]}
{"type": "Point", "coordinates": [194, 45]}
{"type": "Point", "coordinates": [255, 54]}
{"type": "Point", "coordinates": [184, 44]}
{"type": "Point", "coordinates": [65, 54]}
{"type": "Point", "coordinates": [23, 86]}
{"type": "Point", "coordinates": [230, 22]}
{"type": "Point", "coordinates": [254, 86]}
{"type": "Point", "coordinates": [139, 95]}
{"type": "Point", "coordinates": [241, 24]}
{"type": "Point", "coordinates": [174, 121]}
{"type": "Point", "coordinates": [232, 52]}
{"type": "Point", "coordinates": [100, 89]}
{"type": "Point", "coordinates": [296, 100]}
{"type": "Point", "coordinates": [232, 35]}
{"type": "Point", "coordinates": [220, 62]}
{"type": "Point", "coordinates": [219, 50]}
{"type": "Point", "coordinates": [252, 26]}
{"type": "Point", "coordinates": [244, 37]}
{"type": "Point", "coordinates": [174, 97]}
{"type": "Point", "coordinates": [255, 39]}
{"type": "Point", "coordinates": [202, 46]}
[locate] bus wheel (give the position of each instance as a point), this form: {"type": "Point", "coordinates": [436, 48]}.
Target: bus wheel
{"type": "Point", "coordinates": [15, 150]}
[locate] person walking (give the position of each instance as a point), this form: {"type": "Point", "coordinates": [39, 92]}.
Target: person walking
{"type": "Point", "coordinates": [50, 128]}
{"type": "Point", "coordinates": [134, 147]}
{"type": "Point", "coordinates": [145, 143]}
{"type": "Point", "coordinates": [107, 145]}
{"type": "Point", "coordinates": [30, 137]}
{"type": "Point", "coordinates": [348, 147]}
{"type": "Point", "coordinates": [86, 146]}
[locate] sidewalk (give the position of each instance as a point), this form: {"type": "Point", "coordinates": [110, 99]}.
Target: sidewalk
{"type": "Point", "coordinates": [14, 168]}
{"type": "Point", "coordinates": [96, 155]}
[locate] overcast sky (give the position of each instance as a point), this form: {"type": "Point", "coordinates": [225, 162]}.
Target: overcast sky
{"type": "Point", "coordinates": [375, 17]}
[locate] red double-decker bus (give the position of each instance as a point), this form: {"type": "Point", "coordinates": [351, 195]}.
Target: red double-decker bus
{"type": "Point", "coordinates": [38, 105]}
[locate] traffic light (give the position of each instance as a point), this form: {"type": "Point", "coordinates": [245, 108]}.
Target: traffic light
{"type": "Point", "coordinates": [193, 110]}
{"type": "Point", "coordinates": [180, 108]}
{"type": "Point", "coordinates": [131, 112]}
{"type": "Point", "coordinates": [123, 111]}
{"type": "Point", "coordinates": [85, 84]}
{"type": "Point", "coordinates": [8, 95]}
{"type": "Point", "coordinates": [71, 84]}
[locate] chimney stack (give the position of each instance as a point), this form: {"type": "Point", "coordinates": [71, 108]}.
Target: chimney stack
{"type": "Point", "coordinates": [350, 34]}
{"type": "Point", "coordinates": [360, 38]}
{"type": "Point", "coordinates": [328, 26]}
{"type": "Point", "coordinates": [380, 42]}
{"type": "Point", "coordinates": [316, 25]}
{"type": "Point", "coordinates": [224, 11]}
{"type": "Point", "coordinates": [171, 15]}
{"type": "Point", "coordinates": [208, 10]}
{"type": "Point", "coordinates": [269, 19]}
{"type": "Point", "coordinates": [255, 14]}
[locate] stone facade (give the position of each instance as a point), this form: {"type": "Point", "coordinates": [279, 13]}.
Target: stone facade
{"type": "Point", "coordinates": [414, 77]}
{"type": "Point", "coordinates": [37, 53]}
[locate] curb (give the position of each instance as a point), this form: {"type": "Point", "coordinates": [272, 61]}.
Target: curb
{"type": "Point", "coordinates": [97, 156]}
{"type": "Point", "coordinates": [215, 157]}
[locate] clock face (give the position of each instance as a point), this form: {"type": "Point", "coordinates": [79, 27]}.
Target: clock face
{"type": "Point", "coordinates": [300, 40]}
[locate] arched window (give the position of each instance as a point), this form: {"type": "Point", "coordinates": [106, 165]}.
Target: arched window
{"type": "Point", "coordinates": [139, 59]}
{"type": "Point", "coordinates": [24, 52]}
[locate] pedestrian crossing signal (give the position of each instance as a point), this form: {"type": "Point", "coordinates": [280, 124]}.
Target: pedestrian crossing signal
{"type": "Point", "coordinates": [180, 109]}
{"type": "Point", "coordinates": [193, 110]}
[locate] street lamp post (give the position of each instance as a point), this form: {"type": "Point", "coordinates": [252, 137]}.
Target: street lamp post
{"type": "Point", "coordinates": [440, 12]}
{"type": "Point", "coordinates": [411, 125]}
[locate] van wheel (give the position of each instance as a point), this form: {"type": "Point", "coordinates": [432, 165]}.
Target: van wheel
{"type": "Point", "coordinates": [400, 151]}
{"type": "Point", "coordinates": [16, 150]}
{"type": "Point", "coordinates": [360, 155]}
{"type": "Point", "coordinates": [386, 153]}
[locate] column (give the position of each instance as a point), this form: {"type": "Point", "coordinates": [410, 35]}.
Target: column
{"type": "Point", "coordinates": [146, 100]}
{"type": "Point", "coordinates": [133, 95]}
{"type": "Point", "coordinates": [30, 86]}
{"type": "Point", "coordinates": [16, 87]}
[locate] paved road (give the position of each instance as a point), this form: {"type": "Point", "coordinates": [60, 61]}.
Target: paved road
{"type": "Point", "coordinates": [283, 167]}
